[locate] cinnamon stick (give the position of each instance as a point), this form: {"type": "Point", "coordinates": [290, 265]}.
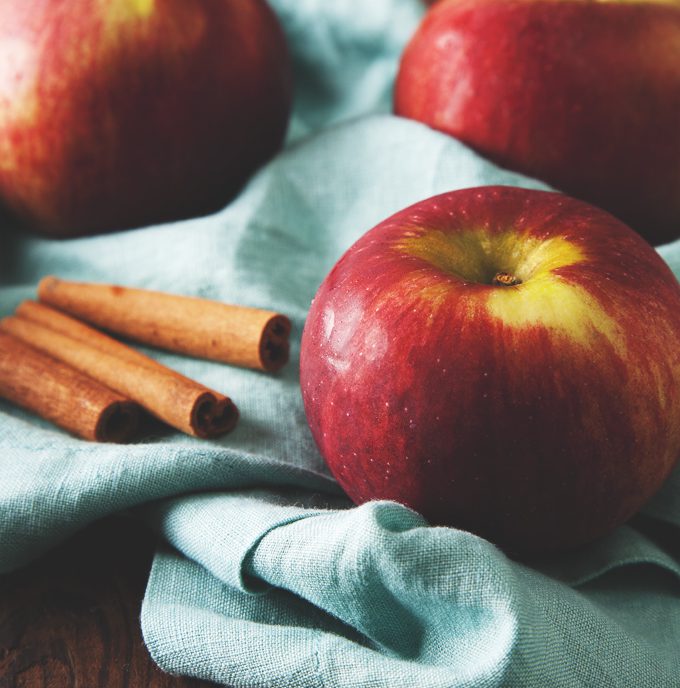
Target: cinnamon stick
{"type": "Point", "coordinates": [76, 329]}
{"type": "Point", "coordinates": [62, 395]}
{"type": "Point", "coordinates": [166, 394]}
{"type": "Point", "coordinates": [243, 336]}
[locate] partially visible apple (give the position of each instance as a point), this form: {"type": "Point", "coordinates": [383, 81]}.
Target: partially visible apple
{"type": "Point", "coordinates": [583, 95]}
{"type": "Point", "coordinates": [120, 113]}
{"type": "Point", "coordinates": [501, 360]}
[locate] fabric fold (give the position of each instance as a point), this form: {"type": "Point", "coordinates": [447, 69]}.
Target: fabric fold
{"type": "Point", "coordinates": [220, 530]}
{"type": "Point", "coordinates": [373, 596]}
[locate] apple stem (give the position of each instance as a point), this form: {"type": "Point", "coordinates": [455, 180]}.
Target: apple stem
{"type": "Point", "coordinates": [505, 279]}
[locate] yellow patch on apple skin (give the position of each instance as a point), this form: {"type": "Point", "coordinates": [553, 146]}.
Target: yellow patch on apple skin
{"type": "Point", "coordinates": [144, 7]}
{"type": "Point", "coordinates": [550, 302]}
{"type": "Point", "coordinates": [542, 298]}
{"type": "Point", "coordinates": [138, 8]}
{"type": "Point", "coordinates": [122, 13]}
{"type": "Point", "coordinates": [477, 255]}
{"type": "Point", "coordinates": [180, 28]}
{"type": "Point", "coordinates": [459, 254]}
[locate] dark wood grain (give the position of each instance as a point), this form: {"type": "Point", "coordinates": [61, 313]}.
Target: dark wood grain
{"type": "Point", "coordinates": [71, 620]}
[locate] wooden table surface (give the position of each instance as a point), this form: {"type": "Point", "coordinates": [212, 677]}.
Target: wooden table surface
{"type": "Point", "coordinates": [71, 619]}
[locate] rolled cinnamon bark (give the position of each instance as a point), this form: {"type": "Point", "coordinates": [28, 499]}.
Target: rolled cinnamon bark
{"type": "Point", "coordinates": [59, 393]}
{"type": "Point", "coordinates": [243, 336]}
{"type": "Point", "coordinates": [65, 324]}
{"type": "Point", "coordinates": [171, 397]}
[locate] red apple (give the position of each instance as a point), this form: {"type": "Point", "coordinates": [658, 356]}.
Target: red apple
{"type": "Point", "coordinates": [583, 95]}
{"type": "Point", "coordinates": [501, 360]}
{"type": "Point", "coordinates": [120, 113]}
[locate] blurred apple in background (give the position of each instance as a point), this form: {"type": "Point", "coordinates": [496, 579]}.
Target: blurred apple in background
{"type": "Point", "coordinates": [120, 113]}
{"type": "Point", "coordinates": [501, 360]}
{"type": "Point", "coordinates": [583, 95]}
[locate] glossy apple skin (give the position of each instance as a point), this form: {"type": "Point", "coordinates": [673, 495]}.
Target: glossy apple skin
{"type": "Point", "coordinates": [540, 416]}
{"type": "Point", "coordinates": [583, 95]}
{"type": "Point", "coordinates": [121, 113]}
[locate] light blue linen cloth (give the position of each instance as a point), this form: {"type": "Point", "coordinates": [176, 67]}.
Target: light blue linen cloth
{"type": "Point", "coordinates": [271, 577]}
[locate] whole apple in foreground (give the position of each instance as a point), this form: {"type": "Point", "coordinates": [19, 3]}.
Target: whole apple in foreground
{"type": "Point", "coordinates": [501, 360]}
{"type": "Point", "coordinates": [583, 95]}
{"type": "Point", "coordinates": [120, 113]}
